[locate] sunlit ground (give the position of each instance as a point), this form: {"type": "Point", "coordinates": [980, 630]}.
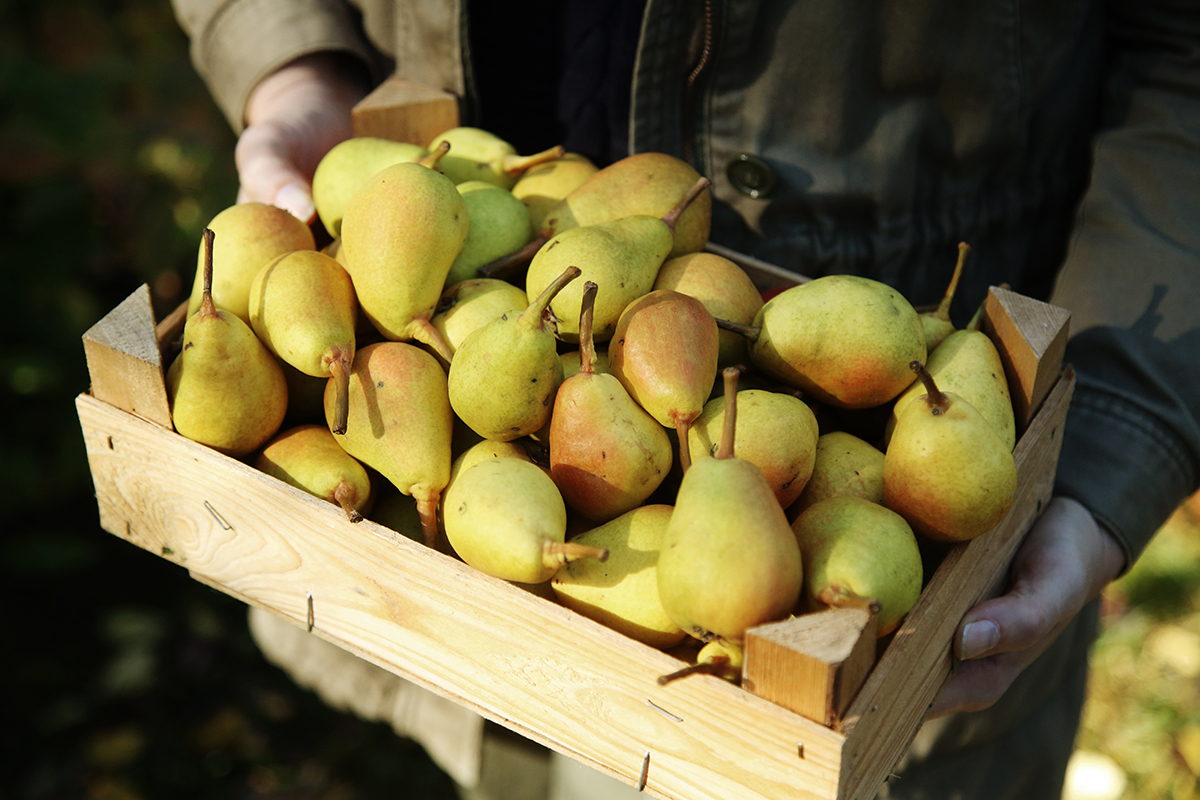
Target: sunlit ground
{"type": "Point", "coordinates": [1140, 738]}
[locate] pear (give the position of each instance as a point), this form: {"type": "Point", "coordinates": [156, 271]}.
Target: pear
{"type": "Point", "coordinates": [641, 184]}
{"type": "Point", "coordinates": [479, 155]}
{"type": "Point", "coordinates": [482, 451]}
{"type": "Point", "coordinates": [844, 465]}
{"type": "Point", "coordinates": [621, 256]}
{"type": "Point", "coordinates": [622, 591]}
{"type": "Point", "coordinates": [725, 290]}
{"type": "Point", "coordinates": [542, 187]}
{"type": "Point", "coordinates": [506, 518]}
{"type": "Point", "coordinates": [310, 458]}
{"type": "Point", "coordinates": [469, 305]}
{"type": "Point", "coordinates": [225, 388]}
{"type": "Point", "coordinates": [843, 339]}
{"type": "Point", "coordinates": [945, 470]}
{"type": "Point", "coordinates": [499, 225]}
{"type": "Point", "coordinates": [729, 560]}
{"type": "Point", "coordinates": [776, 432]}
{"type": "Point", "coordinates": [670, 382]}
{"type": "Point", "coordinates": [607, 454]}
{"type": "Point", "coordinates": [400, 422]}
{"type": "Point", "coordinates": [401, 232]}
{"type": "Point", "coordinates": [858, 553]}
{"type": "Point", "coordinates": [936, 323]}
{"type": "Point", "coordinates": [504, 375]}
{"type": "Point", "coordinates": [718, 657]}
{"type": "Point", "coordinates": [346, 167]}
{"type": "Point", "coordinates": [303, 308]}
{"type": "Point", "coordinates": [248, 235]}
{"type": "Point", "coordinates": [968, 364]}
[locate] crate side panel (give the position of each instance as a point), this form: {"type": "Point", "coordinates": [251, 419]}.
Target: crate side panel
{"type": "Point", "coordinates": [519, 659]}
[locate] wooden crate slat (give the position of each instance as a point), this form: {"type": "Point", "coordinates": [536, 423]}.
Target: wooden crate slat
{"type": "Point", "coordinates": [404, 111]}
{"type": "Point", "coordinates": [124, 361]}
{"type": "Point", "coordinates": [520, 660]}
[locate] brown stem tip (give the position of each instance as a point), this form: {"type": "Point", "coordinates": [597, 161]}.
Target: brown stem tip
{"type": "Point", "coordinates": [933, 395]}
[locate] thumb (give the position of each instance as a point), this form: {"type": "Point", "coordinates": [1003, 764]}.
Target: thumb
{"type": "Point", "coordinates": [268, 173]}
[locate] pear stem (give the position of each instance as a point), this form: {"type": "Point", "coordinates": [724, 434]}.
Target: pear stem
{"type": "Point", "coordinates": [750, 332]}
{"type": "Point", "coordinates": [344, 495]}
{"type": "Point", "coordinates": [587, 347]}
{"type": "Point", "coordinates": [339, 373]}
{"type": "Point", "coordinates": [730, 374]}
{"type": "Point", "coordinates": [206, 302]}
{"type": "Point", "coordinates": [427, 511]}
{"type": "Point", "coordinates": [513, 166]}
{"type": "Point", "coordinates": [717, 665]}
{"type": "Point", "coordinates": [943, 309]}
{"type": "Point", "coordinates": [933, 395]}
{"type": "Point", "coordinates": [532, 316]}
{"type": "Point", "coordinates": [422, 330]}
{"type": "Point", "coordinates": [840, 597]}
{"type": "Point", "coordinates": [672, 216]}
{"type": "Point", "coordinates": [555, 554]}
{"type": "Point", "coordinates": [507, 264]}
{"type": "Point", "coordinates": [685, 447]}
{"type": "Point", "coordinates": [431, 158]}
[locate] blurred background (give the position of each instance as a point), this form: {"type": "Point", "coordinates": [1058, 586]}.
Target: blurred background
{"type": "Point", "coordinates": [123, 678]}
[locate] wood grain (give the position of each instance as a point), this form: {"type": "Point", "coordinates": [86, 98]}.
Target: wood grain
{"type": "Point", "coordinates": [1031, 337]}
{"type": "Point", "coordinates": [518, 659]}
{"type": "Point", "coordinates": [124, 360]}
{"type": "Point", "coordinates": [404, 111]}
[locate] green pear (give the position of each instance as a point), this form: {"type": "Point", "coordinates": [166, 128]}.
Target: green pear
{"type": "Point", "coordinates": [729, 560]}
{"type": "Point", "coordinates": [936, 323]}
{"type": "Point", "coordinates": [248, 235]}
{"type": "Point", "coordinates": [968, 364]}
{"type": "Point", "coordinates": [621, 256]}
{"type": "Point", "coordinates": [945, 470]}
{"type": "Point", "coordinates": [607, 454]}
{"type": "Point", "coordinates": [468, 305]}
{"type": "Point", "coordinates": [844, 465]}
{"type": "Point", "coordinates": [303, 308]}
{"type": "Point", "coordinates": [400, 423]}
{"type": "Point", "coordinates": [648, 184]}
{"type": "Point", "coordinates": [776, 432]}
{"type": "Point", "coordinates": [506, 518]}
{"type": "Point", "coordinates": [725, 290]}
{"type": "Point", "coordinates": [401, 232]}
{"type": "Point", "coordinates": [843, 339]}
{"type": "Point", "coordinates": [346, 167]}
{"type": "Point", "coordinates": [858, 553]}
{"type": "Point", "coordinates": [499, 225]}
{"type": "Point", "coordinates": [225, 388]}
{"type": "Point", "coordinates": [479, 155]}
{"type": "Point", "coordinates": [504, 375]}
{"type": "Point", "coordinates": [310, 458]}
{"type": "Point", "coordinates": [622, 591]}
{"type": "Point", "coordinates": [671, 382]}
{"type": "Point", "coordinates": [544, 186]}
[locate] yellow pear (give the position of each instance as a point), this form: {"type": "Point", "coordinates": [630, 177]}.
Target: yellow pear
{"type": "Point", "coordinates": [310, 458]}
{"type": "Point", "coordinates": [542, 187]}
{"type": "Point", "coordinates": [844, 465]}
{"type": "Point", "coordinates": [346, 167]}
{"type": "Point", "coordinates": [725, 290]}
{"type": "Point", "coordinates": [622, 591]}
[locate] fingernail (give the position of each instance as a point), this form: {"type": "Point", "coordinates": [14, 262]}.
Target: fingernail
{"type": "Point", "coordinates": [295, 199]}
{"type": "Point", "coordinates": [978, 638]}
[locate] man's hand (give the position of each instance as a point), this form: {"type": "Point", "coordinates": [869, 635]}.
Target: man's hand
{"type": "Point", "coordinates": [1066, 560]}
{"type": "Point", "coordinates": [293, 117]}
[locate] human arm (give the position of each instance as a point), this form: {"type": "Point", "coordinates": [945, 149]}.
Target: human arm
{"type": "Point", "coordinates": [1131, 446]}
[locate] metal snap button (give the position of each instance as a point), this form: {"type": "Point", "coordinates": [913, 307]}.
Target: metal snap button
{"type": "Point", "coordinates": [750, 175]}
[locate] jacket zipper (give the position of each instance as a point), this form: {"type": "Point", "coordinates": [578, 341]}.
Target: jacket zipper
{"type": "Point", "coordinates": [702, 63]}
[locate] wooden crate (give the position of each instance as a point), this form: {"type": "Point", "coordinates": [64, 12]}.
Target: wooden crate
{"type": "Point", "coordinates": [518, 659]}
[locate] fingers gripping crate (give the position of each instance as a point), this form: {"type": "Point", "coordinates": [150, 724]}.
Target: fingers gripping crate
{"type": "Point", "coordinates": [528, 663]}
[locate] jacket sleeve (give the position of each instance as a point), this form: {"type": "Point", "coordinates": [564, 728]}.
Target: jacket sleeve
{"type": "Point", "coordinates": [1131, 447]}
{"type": "Point", "coordinates": [235, 43]}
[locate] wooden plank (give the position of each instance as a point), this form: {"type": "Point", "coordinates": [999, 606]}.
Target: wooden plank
{"type": "Point", "coordinates": [889, 709]}
{"type": "Point", "coordinates": [812, 664]}
{"type": "Point", "coordinates": [521, 660]}
{"type": "Point", "coordinates": [1032, 338]}
{"type": "Point", "coordinates": [404, 111]}
{"type": "Point", "coordinates": [124, 360]}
